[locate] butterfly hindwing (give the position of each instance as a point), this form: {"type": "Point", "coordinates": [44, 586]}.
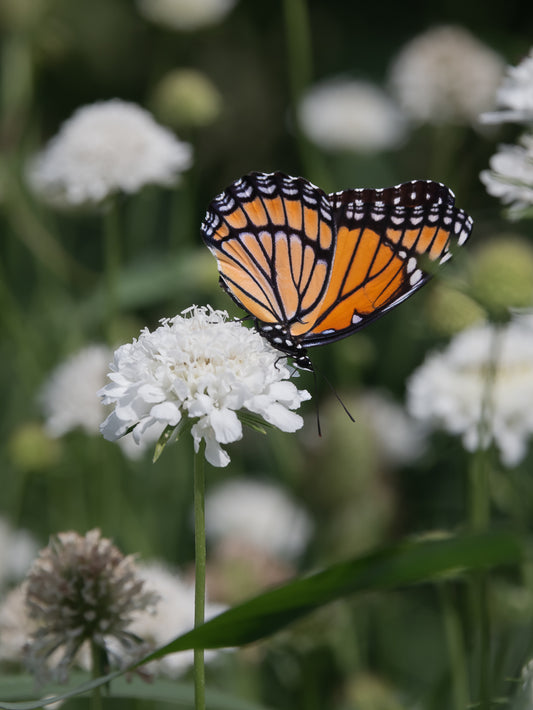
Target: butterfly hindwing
{"type": "Point", "coordinates": [273, 238]}
{"type": "Point", "coordinates": [387, 243]}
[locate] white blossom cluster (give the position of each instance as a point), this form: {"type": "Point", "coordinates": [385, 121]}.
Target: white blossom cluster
{"type": "Point", "coordinates": [485, 372]}
{"type": "Point", "coordinates": [510, 175]}
{"type": "Point", "coordinates": [202, 367]}
{"type": "Point", "coordinates": [104, 148]}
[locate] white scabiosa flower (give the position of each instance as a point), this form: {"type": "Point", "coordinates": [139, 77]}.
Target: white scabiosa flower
{"type": "Point", "coordinates": [173, 616]}
{"type": "Point", "coordinates": [185, 15]}
{"type": "Point", "coordinates": [259, 513]}
{"type": "Point", "coordinates": [399, 438]}
{"type": "Point", "coordinates": [515, 95]}
{"type": "Point", "coordinates": [345, 114]}
{"type": "Point", "coordinates": [446, 75]}
{"type": "Point", "coordinates": [104, 148]}
{"type": "Point", "coordinates": [17, 550]}
{"type": "Point", "coordinates": [448, 390]}
{"type": "Point", "coordinates": [510, 176]}
{"type": "Point", "coordinates": [199, 366]}
{"type": "Point", "coordinates": [69, 397]}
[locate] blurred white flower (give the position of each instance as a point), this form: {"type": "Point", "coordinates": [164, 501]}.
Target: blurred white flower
{"type": "Point", "coordinates": [448, 389]}
{"type": "Point", "coordinates": [446, 75]}
{"type": "Point", "coordinates": [69, 398]}
{"type": "Point", "coordinates": [185, 15]}
{"type": "Point", "coordinates": [200, 366]}
{"type": "Point", "coordinates": [510, 176]}
{"type": "Point", "coordinates": [17, 550]}
{"type": "Point", "coordinates": [399, 438]}
{"type": "Point", "coordinates": [16, 626]}
{"type": "Point", "coordinates": [260, 514]}
{"type": "Point", "coordinates": [345, 114]}
{"type": "Point", "coordinates": [106, 147]}
{"type": "Point", "coordinates": [515, 95]}
{"type": "Point", "coordinates": [173, 616]}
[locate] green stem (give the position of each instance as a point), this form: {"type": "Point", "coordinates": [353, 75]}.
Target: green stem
{"type": "Point", "coordinates": [299, 60]}
{"type": "Point", "coordinates": [96, 672]}
{"type": "Point", "coordinates": [111, 266]}
{"type": "Point", "coordinates": [200, 562]}
{"type": "Point", "coordinates": [479, 521]}
{"type": "Point", "coordinates": [456, 649]}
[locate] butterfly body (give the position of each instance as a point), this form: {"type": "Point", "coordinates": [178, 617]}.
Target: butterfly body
{"type": "Point", "coordinates": [312, 268]}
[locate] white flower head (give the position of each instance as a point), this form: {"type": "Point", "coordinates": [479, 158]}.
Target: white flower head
{"type": "Point", "coordinates": [510, 176]}
{"type": "Point", "coordinates": [260, 513]}
{"type": "Point", "coordinates": [69, 397]}
{"type": "Point", "coordinates": [515, 95]}
{"type": "Point", "coordinates": [447, 391]}
{"type": "Point", "coordinates": [185, 15]}
{"type": "Point", "coordinates": [400, 439]}
{"type": "Point", "coordinates": [104, 148]}
{"type": "Point", "coordinates": [446, 75]}
{"type": "Point", "coordinates": [172, 616]}
{"type": "Point", "coordinates": [346, 114]}
{"type": "Point", "coordinates": [200, 366]}
{"type": "Point", "coordinates": [16, 626]}
{"type": "Point", "coordinates": [17, 550]}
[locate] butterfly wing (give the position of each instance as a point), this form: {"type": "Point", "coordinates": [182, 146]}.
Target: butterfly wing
{"type": "Point", "coordinates": [388, 243]}
{"type": "Point", "coordinates": [273, 238]}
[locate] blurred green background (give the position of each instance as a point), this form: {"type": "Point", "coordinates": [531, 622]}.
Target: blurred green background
{"type": "Point", "coordinates": [379, 652]}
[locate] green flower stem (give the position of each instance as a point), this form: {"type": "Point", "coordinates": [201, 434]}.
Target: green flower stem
{"type": "Point", "coordinates": [96, 671]}
{"type": "Point", "coordinates": [111, 265]}
{"type": "Point", "coordinates": [300, 71]}
{"type": "Point", "coordinates": [460, 693]}
{"type": "Point", "coordinates": [479, 521]}
{"type": "Point", "coordinates": [200, 561]}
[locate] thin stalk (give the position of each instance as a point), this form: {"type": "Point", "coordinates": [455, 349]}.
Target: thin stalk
{"type": "Point", "coordinates": [112, 257]}
{"type": "Point", "coordinates": [479, 521]}
{"type": "Point", "coordinates": [456, 649]}
{"type": "Point", "coordinates": [96, 672]}
{"type": "Point", "coordinates": [300, 71]}
{"type": "Point", "coordinates": [200, 563]}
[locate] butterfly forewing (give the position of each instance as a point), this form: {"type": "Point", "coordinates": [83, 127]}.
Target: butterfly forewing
{"type": "Point", "coordinates": [273, 239]}
{"type": "Point", "coordinates": [312, 268]}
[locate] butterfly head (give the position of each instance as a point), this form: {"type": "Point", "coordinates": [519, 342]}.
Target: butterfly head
{"type": "Point", "coordinates": [278, 336]}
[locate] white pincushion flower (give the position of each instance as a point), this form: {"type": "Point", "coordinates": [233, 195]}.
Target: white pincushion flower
{"type": "Point", "coordinates": [399, 438]}
{"type": "Point", "coordinates": [104, 148]}
{"type": "Point", "coordinates": [173, 616]}
{"type": "Point", "coordinates": [17, 550]}
{"type": "Point", "coordinates": [446, 75]}
{"type": "Point", "coordinates": [448, 389]}
{"type": "Point", "coordinates": [185, 14]}
{"type": "Point", "coordinates": [69, 398]}
{"type": "Point", "coordinates": [510, 176]}
{"type": "Point", "coordinates": [515, 95]}
{"type": "Point", "coordinates": [259, 513]}
{"type": "Point", "coordinates": [345, 114]}
{"type": "Point", "coordinates": [202, 367]}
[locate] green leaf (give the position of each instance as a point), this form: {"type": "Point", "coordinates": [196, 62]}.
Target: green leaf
{"type": "Point", "coordinates": [408, 563]}
{"type": "Point", "coordinates": [180, 694]}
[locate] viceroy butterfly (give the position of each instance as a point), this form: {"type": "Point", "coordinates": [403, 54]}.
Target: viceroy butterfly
{"type": "Point", "coordinates": [312, 268]}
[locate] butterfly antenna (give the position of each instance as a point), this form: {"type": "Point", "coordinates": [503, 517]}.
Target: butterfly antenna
{"type": "Point", "coordinates": [338, 397]}
{"type": "Point", "coordinates": [317, 407]}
